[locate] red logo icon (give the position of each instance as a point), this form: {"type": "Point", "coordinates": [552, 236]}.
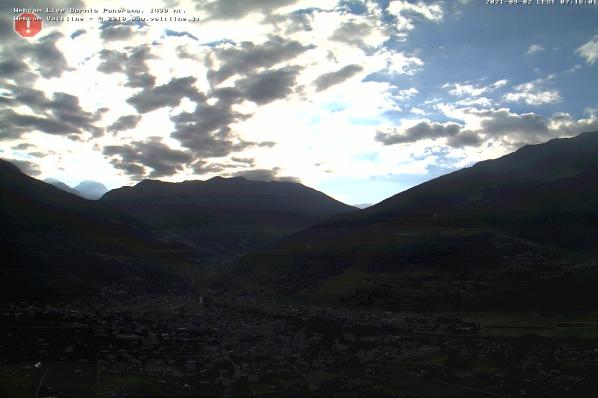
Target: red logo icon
{"type": "Point", "coordinates": [28, 24]}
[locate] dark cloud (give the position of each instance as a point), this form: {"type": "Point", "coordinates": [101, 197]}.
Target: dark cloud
{"type": "Point", "coordinates": [247, 161]}
{"type": "Point", "coordinates": [124, 123]}
{"type": "Point", "coordinates": [182, 52]}
{"type": "Point", "coordinates": [531, 128]}
{"type": "Point", "coordinates": [269, 85]}
{"type": "Point", "coordinates": [291, 23]}
{"type": "Point", "coordinates": [15, 69]}
{"type": "Point", "coordinates": [42, 54]}
{"type": "Point", "coordinates": [352, 32]}
{"type": "Point", "coordinates": [249, 57]}
{"type": "Point", "coordinates": [61, 115]}
{"type": "Point", "coordinates": [227, 95]}
{"type": "Point", "coordinates": [48, 59]}
{"type": "Point", "coordinates": [132, 63]}
{"type": "Point", "coordinates": [66, 108]}
{"type": "Point", "coordinates": [13, 125]}
{"type": "Point", "coordinates": [204, 167]}
{"type": "Point", "coordinates": [266, 144]}
{"type": "Point", "coordinates": [169, 94]}
{"type": "Point", "coordinates": [133, 158]}
{"type": "Point", "coordinates": [175, 33]}
{"type": "Point", "coordinates": [207, 132]}
{"type": "Point", "coordinates": [234, 9]}
{"type": "Point", "coordinates": [265, 175]}
{"type": "Point", "coordinates": [78, 33]}
{"type": "Point", "coordinates": [511, 129]}
{"type": "Point", "coordinates": [421, 131]}
{"type": "Point", "coordinates": [330, 79]}
{"type": "Point", "coordinates": [26, 166]}
{"type": "Point", "coordinates": [503, 122]}
{"type": "Point", "coordinates": [465, 138]}
{"type": "Point", "coordinates": [23, 146]}
{"type": "Point", "coordinates": [111, 31]}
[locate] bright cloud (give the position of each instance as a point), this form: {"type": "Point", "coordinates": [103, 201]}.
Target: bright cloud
{"type": "Point", "coordinates": [534, 93]}
{"type": "Point", "coordinates": [589, 50]}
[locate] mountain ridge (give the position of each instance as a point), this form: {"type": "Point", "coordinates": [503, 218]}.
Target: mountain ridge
{"type": "Point", "coordinates": [226, 216]}
{"type": "Point", "coordinates": [495, 223]}
{"type": "Point", "coordinates": [57, 243]}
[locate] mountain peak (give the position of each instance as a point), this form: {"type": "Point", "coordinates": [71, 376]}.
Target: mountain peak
{"type": "Point", "coordinates": [8, 166]}
{"type": "Point", "coordinates": [225, 179]}
{"type": "Point", "coordinates": [149, 182]}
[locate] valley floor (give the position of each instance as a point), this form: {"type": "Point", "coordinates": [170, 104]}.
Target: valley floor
{"type": "Point", "coordinates": [124, 344]}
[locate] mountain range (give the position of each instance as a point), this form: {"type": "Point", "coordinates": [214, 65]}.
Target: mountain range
{"type": "Point", "coordinates": [87, 189]}
{"type": "Point", "coordinates": [155, 234]}
{"type": "Point", "coordinates": [56, 243]}
{"type": "Point", "coordinates": [226, 217]}
{"type": "Point", "coordinates": [510, 233]}
{"type": "Point", "coordinates": [516, 231]}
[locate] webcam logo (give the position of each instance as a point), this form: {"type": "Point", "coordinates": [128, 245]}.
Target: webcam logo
{"type": "Point", "coordinates": [28, 24]}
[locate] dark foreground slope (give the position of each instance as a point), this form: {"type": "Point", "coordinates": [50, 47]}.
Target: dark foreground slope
{"type": "Point", "coordinates": [55, 243]}
{"type": "Point", "coordinates": [519, 231]}
{"type": "Point", "coordinates": [226, 216]}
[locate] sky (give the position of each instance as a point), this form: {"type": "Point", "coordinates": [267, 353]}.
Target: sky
{"type": "Point", "coordinates": [358, 99]}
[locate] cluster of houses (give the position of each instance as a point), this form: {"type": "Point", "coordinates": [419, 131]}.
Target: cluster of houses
{"type": "Point", "coordinates": [223, 341]}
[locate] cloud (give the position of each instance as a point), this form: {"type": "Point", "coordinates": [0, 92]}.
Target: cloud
{"type": "Point", "coordinates": [406, 93]}
{"type": "Point", "coordinates": [133, 158]}
{"type": "Point", "coordinates": [534, 49]}
{"type": "Point", "coordinates": [13, 125]}
{"type": "Point", "coordinates": [502, 122]}
{"type": "Point", "coordinates": [470, 90]}
{"type": "Point", "coordinates": [480, 101]}
{"type": "Point", "coordinates": [533, 93]}
{"type": "Point", "coordinates": [131, 63]}
{"type": "Point", "coordinates": [206, 130]}
{"type": "Point", "coordinates": [352, 32]}
{"type": "Point", "coordinates": [47, 58]}
{"type": "Point", "coordinates": [510, 129]}
{"type": "Point", "coordinates": [460, 90]}
{"type": "Point", "coordinates": [589, 50]}
{"type": "Point", "coordinates": [26, 167]}
{"type": "Point", "coordinates": [399, 63]}
{"type": "Point", "coordinates": [465, 138]}
{"type": "Point", "coordinates": [111, 31]}
{"type": "Point", "coordinates": [499, 83]}
{"type": "Point", "coordinates": [246, 161]}
{"type": "Point", "coordinates": [248, 57]}
{"type": "Point", "coordinates": [235, 9]}
{"type": "Point", "coordinates": [265, 175]}
{"type": "Point", "coordinates": [405, 13]}
{"type": "Point", "coordinates": [17, 70]}
{"type": "Point", "coordinates": [169, 94]}
{"type": "Point", "coordinates": [78, 33]}
{"type": "Point", "coordinates": [123, 123]}
{"type": "Point", "coordinates": [270, 85]}
{"type": "Point", "coordinates": [175, 33]}
{"type": "Point", "coordinates": [330, 79]}
{"type": "Point", "coordinates": [420, 131]}
{"type": "Point", "coordinates": [60, 115]}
